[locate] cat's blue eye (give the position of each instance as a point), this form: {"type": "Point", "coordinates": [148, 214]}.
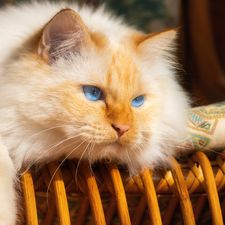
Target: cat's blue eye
{"type": "Point", "coordinates": [138, 101]}
{"type": "Point", "coordinates": [92, 93]}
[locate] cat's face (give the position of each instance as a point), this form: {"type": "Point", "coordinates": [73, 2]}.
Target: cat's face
{"type": "Point", "coordinates": [100, 92]}
{"type": "Point", "coordinates": [123, 111]}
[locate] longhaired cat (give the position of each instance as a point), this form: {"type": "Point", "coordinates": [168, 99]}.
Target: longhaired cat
{"type": "Point", "coordinates": [79, 83]}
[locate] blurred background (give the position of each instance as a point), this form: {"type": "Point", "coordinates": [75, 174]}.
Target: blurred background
{"type": "Point", "coordinates": [201, 41]}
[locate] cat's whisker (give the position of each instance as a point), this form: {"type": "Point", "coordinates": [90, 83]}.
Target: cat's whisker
{"type": "Point", "coordinates": [133, 149]}
{"type": "Point", "coordinates": [128, 156]}
{"type": "Point", "coordinates": [60, 166]}
{"type": "Point", "coordinates": [100, 152]}
{"type": "Point", "coordinates": [51, 128]}
{"type": "Point", "coordinates": [54, 146]}
{"type": "Point", "coordinates": [155, 132]}
{"type": "Point", "coordinates": [79, 161]}
{"type": "Point", "coordinates": [165, 135]}
{"type": "Point", "coordinates": [90, 152]}
{"type": "Point", "coordinates": [142, 147]}
{"type": "Point", "coordinates": [161, 138]}
{"type": "Point", "coordinates": [45, 130]}
{"type": "Point", "coordinates": [90, 159]}
{"type": "Point", "coordinates": [67, 146]}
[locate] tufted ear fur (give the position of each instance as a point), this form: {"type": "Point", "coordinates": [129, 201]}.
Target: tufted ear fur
{"type": "Point", "coordinates": [154, 44]}
{"type": "Point", "coordinates": [63, 34]}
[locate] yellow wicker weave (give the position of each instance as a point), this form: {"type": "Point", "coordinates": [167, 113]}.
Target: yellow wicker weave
{"type": "Point", "coordinates": [199, 177]}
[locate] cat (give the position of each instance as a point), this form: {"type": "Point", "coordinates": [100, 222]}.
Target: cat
{"type": "Point", "coordinates": [80, 83]}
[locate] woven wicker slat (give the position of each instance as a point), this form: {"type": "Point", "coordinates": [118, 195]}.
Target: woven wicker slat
{"type": "Point", "coordinates": [139, 183]}
{"type": "Point", "coordinates": [170, 211]}
{"type": "Point", "coordinates": [29, 198]}
{"type": "Point", "coordinates": [80, 182]}
{"type": "Point", "coordinates": [223, 207]}
{"type": "Point", "coordinates": [122, 207]}
{"type": "Point", "coordinates": [221, 164]}
{"type": "Point", "coordinates": [51, 212]}
{"type": "Point", "coordinates": [110, 211]}
{"type": "Point", "coordinates": [182, 194]}
{"type": "Point", "coordinates": [169, 180]}
{"type": "Point", "coordinates": [152, 202]}
{"type": "Point", "coordinates": [93, 194]}
{"type": "Point", "coordinates": [47, 178]}
{"type": "Point", "coordinates": [199, 207]}
{"type": "Point", "coordinates": [173, 201]}
{"type": "Point", "coordinates": [210, 187]}
{"type": "Point", "coordinates": [60, 193]}
{"type": "Point", "coordinates": [163, 183]}
{"type": "Point", "coordinates": [140, 209]}
{"type": "Point", "coordinates": [139, 212]}
{"type": "Point", "coordinates": [83, 210]}
{"type": "Point", "coordinates": [77, 178]}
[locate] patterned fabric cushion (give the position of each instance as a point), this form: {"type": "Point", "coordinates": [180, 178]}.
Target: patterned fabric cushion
{"type": "Point", "coordinates": [206, 129]}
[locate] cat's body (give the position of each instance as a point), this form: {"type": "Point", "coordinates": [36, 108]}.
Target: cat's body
{"type": "Point", "coordinates": [45, 113]}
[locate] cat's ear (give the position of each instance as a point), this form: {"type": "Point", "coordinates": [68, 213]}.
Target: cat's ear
{"type": "Point", "coordinates": [154, 44]}
{"type": "Point", "coordinates": [65, 33]}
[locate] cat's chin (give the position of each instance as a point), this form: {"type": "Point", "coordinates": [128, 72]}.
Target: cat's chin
{"type": "Point", "coordinates": [122, 143]}
{"type": "Point", "coordinates": [112, 140]}
{"type": "Point", "coordinates": [118, 143]}
{"type": "Point", "coordinates": [102, 150]}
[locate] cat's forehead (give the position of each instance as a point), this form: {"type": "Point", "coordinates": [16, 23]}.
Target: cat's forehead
{"type": "Point", "coordinates": [122, 72]}
{"type": "Point", "coordinates": [115, 70]}
{"type": "Point", "coordinates": [125, 74]}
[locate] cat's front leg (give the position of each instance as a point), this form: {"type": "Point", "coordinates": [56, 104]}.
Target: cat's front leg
{"type": "Point", "coordinates": [7, 193]}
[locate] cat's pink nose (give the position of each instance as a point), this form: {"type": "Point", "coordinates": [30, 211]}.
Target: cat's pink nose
{"type": "Point", "coordinates": [120, 129]}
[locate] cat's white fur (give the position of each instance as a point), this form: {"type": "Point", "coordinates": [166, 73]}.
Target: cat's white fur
{"type": "Point", "coordinates": [23, 139]}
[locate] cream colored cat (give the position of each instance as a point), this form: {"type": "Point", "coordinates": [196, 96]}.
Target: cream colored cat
{"type": "Point", "coordinates": [80, 83]}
